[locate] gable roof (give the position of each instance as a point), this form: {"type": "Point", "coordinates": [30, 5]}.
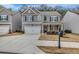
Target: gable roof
{"type": "Point", "coordinates": [70, 16]}
{"type": "Point", "coordinates": [32, 10]}
{"type": "Point", "coordinates": [5, 9]}
{"type": "Point", "coordinates": [53, 13]}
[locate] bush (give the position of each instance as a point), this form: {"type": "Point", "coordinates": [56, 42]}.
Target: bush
{"type": "Point", "coordinates": [68, 31]}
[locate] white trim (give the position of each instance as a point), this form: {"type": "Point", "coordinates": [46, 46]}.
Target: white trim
{"type": "Point", "coordinates": [30, 9]}
{"type": "Point", "coordinates": [6, 11]}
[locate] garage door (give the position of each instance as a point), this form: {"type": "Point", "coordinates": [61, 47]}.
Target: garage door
{"type": "Point", "coordinates": [32, 29]}
{"type": "Point", "coordinates": [4, 29]}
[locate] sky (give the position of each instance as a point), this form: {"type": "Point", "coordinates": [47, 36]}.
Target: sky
{"type": "Point", "coordinates": [17, 6]}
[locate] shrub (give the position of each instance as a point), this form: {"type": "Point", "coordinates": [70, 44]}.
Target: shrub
{"type": "Point", "coordinates": [68, 31]}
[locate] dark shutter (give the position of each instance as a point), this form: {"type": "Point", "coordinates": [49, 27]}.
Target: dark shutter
{"type": "Point", "coordinates": [32, 18]}
{"type": "Point", "coordinates": [44, 18]}
{"type": "Point", "coordinates": [7, 18]}
{"type": "Point", "coordinates": [25, 18]}
{"type": "Point", "coordinates": [0, 18]}
{"type": "Point", "coordinates": [50, 18]}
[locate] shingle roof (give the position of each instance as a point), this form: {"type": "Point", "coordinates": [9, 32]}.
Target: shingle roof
{"type": "Point", "coordinates": [53, 13]}
{"type": "Point", "coordinates": [3, 8]}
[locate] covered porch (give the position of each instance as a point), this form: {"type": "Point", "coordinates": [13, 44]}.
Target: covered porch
{"type": "Point", "coordinates": [51, 28]}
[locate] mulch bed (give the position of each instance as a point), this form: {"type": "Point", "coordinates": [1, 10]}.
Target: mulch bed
{"type": "Point", "coordinates": [12, 34]}
{"type": "Point", "coordinates": [62, 50]}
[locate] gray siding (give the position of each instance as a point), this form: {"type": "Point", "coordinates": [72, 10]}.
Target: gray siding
{"type": "Point", "coordinates": [71, 22]}
{"type": "Point", "coordinates": [17, 22]}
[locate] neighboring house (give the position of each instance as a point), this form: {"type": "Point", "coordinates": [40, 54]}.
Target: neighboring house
{"type": "Point", "coordinates": [71, 22]}
{"type": "Point", "coordinates": [37, 22]}
{"type": "Point", "coordinates": [5, 21]}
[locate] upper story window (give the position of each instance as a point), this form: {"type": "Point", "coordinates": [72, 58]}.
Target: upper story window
{"type": "Point", "coordinates": [3, 17]}
{"type": "Point", "coordinates": [51, 18]}
{"type": "Point", "coordinates": [28, 17]}
{"type": "Point", "coordinates": [25, 18]}
{"type": "Point", "coordinates": [31, 18]}
{"type": "Point", "coordinates": [34, 18]}
{"type": "Point", "coordinates": [54, 18]}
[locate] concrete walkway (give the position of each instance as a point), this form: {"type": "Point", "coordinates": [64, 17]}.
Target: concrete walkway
{"type": "Point", "coordinates": [20, 44]}
{"type": "Point", "coordinates": [55, 43]}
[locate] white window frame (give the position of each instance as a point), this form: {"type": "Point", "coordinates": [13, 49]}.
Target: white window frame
{"type": "Point", "coordinates": [3, 17]}
{"type": "Point", "coordinates": [55, 19]}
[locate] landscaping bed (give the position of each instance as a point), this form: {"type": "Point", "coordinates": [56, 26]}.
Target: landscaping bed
{"type": "Point", "coordinates": [55, 50]}
{"type": "Point", "coordinates": [15, 33]}
{"type": "Point", "coordinates": [12, 34]}
{"type": "Point", "coordinates": [66, 37]}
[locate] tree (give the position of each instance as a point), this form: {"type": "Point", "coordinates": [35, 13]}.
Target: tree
{"type": "Point", "coordinates": [44, 7]}
{"type": "Point", "coordinates": [10, 9]}
{"type": "Point", "coordinates": [61, 10]}
{"type": "Point", "coordinates": [23, 7]}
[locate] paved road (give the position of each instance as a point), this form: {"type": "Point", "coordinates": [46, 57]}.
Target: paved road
{"type": "Point", "coordinates": [19, 44]}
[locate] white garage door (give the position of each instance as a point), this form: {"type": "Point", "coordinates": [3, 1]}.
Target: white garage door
{"type": "Point", "coordinates": [32, 29]}
{"type": "Point", "coordinates": [4, 29]}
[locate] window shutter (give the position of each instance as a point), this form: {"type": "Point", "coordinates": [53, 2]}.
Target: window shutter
{"type": "Point", "coordinates": [50, 18]}
{"type": "Point", "coordinates": [7, 18]}
{"type": "Point", "coordinates": [44, 18]}
{"type": "Point", "coordinates": [32, 18]}
{"type": "Point", "coordinates": [57, 18]}
{"type": "Point", "coordinates": [25, 18]}
{"type": "Point", "coordinates": [0, 17]}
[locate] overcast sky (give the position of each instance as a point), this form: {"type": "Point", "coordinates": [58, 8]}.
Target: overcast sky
{"type": "Point", "coordinates": [17, 6]}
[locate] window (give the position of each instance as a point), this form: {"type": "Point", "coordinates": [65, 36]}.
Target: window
{"type": "Point", "coordinates": [30, 17]}
{"type": "Point", "coordinates": [34, 18]}
{"type": "Point", "coordinates": [3, 17]}
{"type": "Point", "coordinates": [25, 18]}
{"type": "Point", "coordinates": [55, 18]}
{"type": "Point", "coordinates": [51, 18]}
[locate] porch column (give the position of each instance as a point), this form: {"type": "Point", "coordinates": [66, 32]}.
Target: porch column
{"type": "Point", "coordinates": [42, 29]}
{"type": "Point", "coordinates": [58, 28]}
{"type": "Point", "coordinates": [62, 27]}
{"type": "Point", "coordinates": [53, 27]}
{"type": "Point", "coordinates": [48, 28]}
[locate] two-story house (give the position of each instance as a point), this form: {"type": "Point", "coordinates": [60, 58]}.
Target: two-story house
{"type": "Point", "coordinates": [31, 20]}
{"type": "Point", "coordinates": [37, 22]}
{"type": "Point", "coordinates": [5, 20]}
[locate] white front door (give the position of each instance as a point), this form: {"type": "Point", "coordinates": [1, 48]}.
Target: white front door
{"type": "Point", "coordinates": [32, 29]}
{"type": "Point", "coordinates": [4, 29]}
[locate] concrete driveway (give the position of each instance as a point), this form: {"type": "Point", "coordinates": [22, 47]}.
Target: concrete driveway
{"type": "Point", "coordinates": [20, 44]}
